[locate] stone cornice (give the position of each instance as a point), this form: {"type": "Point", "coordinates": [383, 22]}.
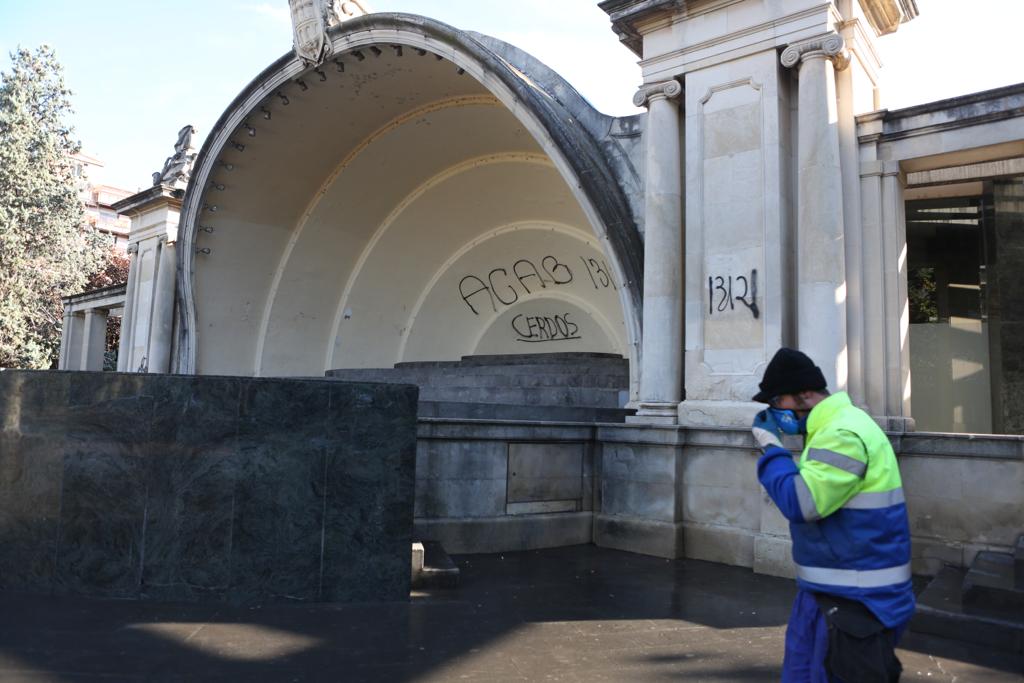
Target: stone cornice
{"type": "Point", "coordinates": [626, 14]}
{"type": "Point", "coordinates": [740, 42]}
{"type": "Point", "coordinates": [106, 297]}
{"type": "Point", "coordinates": [669, 89]}
{"type": "Point", "coordinates": [989, 106]}
{"type": "Point", "coordinates": [832, 46]}
{"type": "Point", "coordinates": [147, 198]}
{"type": "Point", "coordinates": [885, 16]}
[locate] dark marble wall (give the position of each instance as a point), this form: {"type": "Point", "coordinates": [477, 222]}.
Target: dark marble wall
{"type": "Point", "coordinates": [205, 488]}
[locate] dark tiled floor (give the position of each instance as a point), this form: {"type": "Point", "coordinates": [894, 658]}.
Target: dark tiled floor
{"type": "Point", "coordinates": [570, 614]}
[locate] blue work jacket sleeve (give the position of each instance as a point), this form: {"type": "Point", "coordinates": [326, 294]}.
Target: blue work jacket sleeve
{"type": "Point", "coordinates": [778, 474]}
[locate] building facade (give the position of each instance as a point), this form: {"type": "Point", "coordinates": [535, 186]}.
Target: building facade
{"type": "Point", "coordinates": [399, 191]}
{"type": "Point", "coordinates": [98, 199]}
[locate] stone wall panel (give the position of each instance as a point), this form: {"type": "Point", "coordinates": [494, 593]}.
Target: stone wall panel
{"type": "Point", "coordinates": [205, 488]}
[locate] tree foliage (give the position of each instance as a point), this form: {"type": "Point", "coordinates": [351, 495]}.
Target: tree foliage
{"type": "Point", "coordinates": [46, 250]}
{"type": "Point", "coordinates": [114, 273]}
{"type": "Point", "coordinates": [922, 295]}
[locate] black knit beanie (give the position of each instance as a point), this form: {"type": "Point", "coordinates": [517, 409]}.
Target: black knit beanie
{"type": "Point", "coordinates": [789, 372]}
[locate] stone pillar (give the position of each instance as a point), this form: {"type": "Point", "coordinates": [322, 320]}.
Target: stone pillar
{"type": "Point", "coordinates": [886, 316]}
{"type": "Point", "coordinates": [65, 339]}
{"type": "Point", "coordinates": [821, 270]}
{"type": "Point", "coordinates": [897, 308]}
{"type": "Point", "coordinates": [124, 348]}
{"type": "Point", "coordinates": [661, 368]}
{"type": "Point", "coordinates": [94, 340]}
{"type": "Point", "coordinates": [162, 324]}
{"type": "Point", "coordinates": [71, 341]}
{"type": "Point", "coordinates": [853, 237]}
{"type": "Point", "coordinates": [737, 237]}
{"type": "Point", "coordinates": [148, 323]}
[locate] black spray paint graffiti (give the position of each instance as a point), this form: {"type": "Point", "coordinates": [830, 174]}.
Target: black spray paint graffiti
{"type": "Point", "coordinates": [536, 328]}
{"type": "Point", "coordinates": [726, 297]}
{"type": "Point", "coordinates": [504, 286]}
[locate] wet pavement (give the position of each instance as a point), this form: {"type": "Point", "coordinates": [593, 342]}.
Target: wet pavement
{"type": "Point", "coordinates": [568, 614]}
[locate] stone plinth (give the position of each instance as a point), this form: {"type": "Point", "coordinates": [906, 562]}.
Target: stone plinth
{"type": "Point", "coordinates": [204, 488]}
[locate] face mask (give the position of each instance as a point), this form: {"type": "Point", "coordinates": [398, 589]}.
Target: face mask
{"type": "Point", "coordinates": [788, 422]}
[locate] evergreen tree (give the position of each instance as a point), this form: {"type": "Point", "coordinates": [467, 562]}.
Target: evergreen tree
{"type": "Point", "coordinates": [46, 250]}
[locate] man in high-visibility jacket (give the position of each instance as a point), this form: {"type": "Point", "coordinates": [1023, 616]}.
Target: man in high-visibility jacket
{"type": "Point", "coordinates": [848, 521]}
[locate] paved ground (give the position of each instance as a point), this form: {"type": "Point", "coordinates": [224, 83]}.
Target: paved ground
{"type": "Point", "coordinates": [571, 614]}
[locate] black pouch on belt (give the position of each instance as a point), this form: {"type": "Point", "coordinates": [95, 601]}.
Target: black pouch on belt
{"type": "Point", "coordinates": [860, 647]}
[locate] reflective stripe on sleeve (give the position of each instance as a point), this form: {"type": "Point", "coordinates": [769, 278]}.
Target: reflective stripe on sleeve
{"type": "Point", "coordinates": [875, 500]}
{"type": "Point", "coordinates": [869, 578]}
{"type": "Point", "coordinates": [838, 460]}
{"type": "Point", "coordinates": [803, 495]}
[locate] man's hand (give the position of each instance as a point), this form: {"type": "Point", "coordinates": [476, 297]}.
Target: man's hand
{"type": "Point", "coordinates": [766, 431]}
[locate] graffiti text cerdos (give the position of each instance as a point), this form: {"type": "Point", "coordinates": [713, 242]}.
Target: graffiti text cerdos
{"type": "Point", "coordinates": [545, 328]}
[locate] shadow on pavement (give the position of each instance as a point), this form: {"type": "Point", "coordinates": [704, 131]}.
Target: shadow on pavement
{"type": "Point", "coordinates": [566, 614]}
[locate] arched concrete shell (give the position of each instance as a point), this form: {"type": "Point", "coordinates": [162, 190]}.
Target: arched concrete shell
{"type": "Point", "coordinates": [342, 216]}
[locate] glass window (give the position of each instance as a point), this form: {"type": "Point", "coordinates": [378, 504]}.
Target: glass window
{"type": "Point", "coordinates": [965, 289]}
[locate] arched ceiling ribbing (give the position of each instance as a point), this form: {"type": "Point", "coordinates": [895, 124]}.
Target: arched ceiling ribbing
{"type": "Point", "coordinates": [328, 203]}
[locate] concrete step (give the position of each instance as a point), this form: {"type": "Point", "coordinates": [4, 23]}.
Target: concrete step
{"type": "Point", "coordinates": [432, 567]}
{"type": "Point", "coordinates": [597, 397]}
{"type": "Point", "coordinates": [941, 612]}
{"type": "Point", "coordinates": [545, 396]}
{"type": "Point", "coordinates": [591, 359]}
{"type": "Point", "coordinates": [990, 586]}
{"type": "Point", "coordinates": [588, 380]}
{"type": "Point", "coordinates": [556, 366]}
{"type": "Point", "coordinates": [532, 413]}
{"type": "Point", "coordinates": [467, 378]}
{"type": "Point", "coordinates": [554, 361]}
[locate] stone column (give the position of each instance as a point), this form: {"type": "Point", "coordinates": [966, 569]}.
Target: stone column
{"type": "Point", "coordinates": [853, 235]}
{"type": "Point", "coordinates": [162, 323]}
{"type": "Point", "coordinates": [821, 271]}
{"type": "Point", "coordinates": [124, 348]}
{"type": "Point", "coordinates": [897, 309]}
{"type": "Point", "coordinates": [71, 342]}
{"type": "Point", "coordinates": [661, 369]}
{"type": "Point", "coordinates": [65, 339]}
{"type": "Point", "coordinates": [886, 347]}
{"type": "Point", "coordinates": [94, 340]}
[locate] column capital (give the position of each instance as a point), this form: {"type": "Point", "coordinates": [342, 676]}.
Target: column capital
{"type": "Point", "coordinates": [831, 46]}
{"type": "Point", "coordinates": [133, 249]}
{"type": "Point", "coordinates": [669, 90]}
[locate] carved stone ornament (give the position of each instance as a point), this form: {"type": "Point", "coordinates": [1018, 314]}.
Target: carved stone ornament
{"type": "Point", "coordinates": [310, 21]}
{"type": "Point", "coordinates": [309, 30]}
{"type": "Point", "coordinates": [832, 46]}
{"type": "Point", "coordinates": [885, 16]}
{"type": "Point", "coordinates": [178, 167]}
{"type": "Point", "coordinates": [342, 11]}
{"type": "Point", "coordinates": [667, 89]}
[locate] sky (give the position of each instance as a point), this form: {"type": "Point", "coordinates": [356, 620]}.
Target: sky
{"type": "Point", "coordinates": [140, 70]}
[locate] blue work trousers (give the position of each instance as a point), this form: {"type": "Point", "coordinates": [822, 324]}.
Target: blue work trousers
{"type": "Point", "coordinates": [807, 643]}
